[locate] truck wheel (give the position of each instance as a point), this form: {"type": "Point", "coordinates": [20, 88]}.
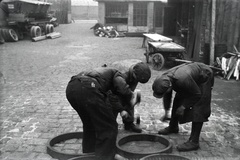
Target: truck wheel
{"type": "Point", "coordinates": [35, 31]}
{"type": "Point", "coordinates": [46, 28]}
{"type": "Point", "coordinates": [1, 37]}
{"type": "Point", "coordinates": [5, 34]}
{"type": "Point", "coordinates": [9, 35]}
{"type": "Point", "coordinates": [158, 61]}
{"type": "Point", "coordinates": [50, 28]}
{"type": "Point", "coordinates": [31, 31]}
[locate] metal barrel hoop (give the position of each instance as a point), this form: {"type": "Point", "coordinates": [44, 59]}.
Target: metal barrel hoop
{"type": "Point", "coordinates": [60, 138]}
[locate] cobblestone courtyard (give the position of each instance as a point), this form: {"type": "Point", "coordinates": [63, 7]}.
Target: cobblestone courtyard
{"type": "Point", "coordinates": [34, 109]}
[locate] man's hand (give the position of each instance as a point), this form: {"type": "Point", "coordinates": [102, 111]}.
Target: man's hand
{"type": "Point", "coordinates": [136, 99]}
{"type": "Point", "coordinates": [180, 111]}
{"type": "Point", "coordinates": [124, 114]}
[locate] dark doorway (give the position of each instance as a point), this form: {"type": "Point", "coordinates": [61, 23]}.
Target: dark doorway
{"type": "Point", "coordinates": [169, 21]}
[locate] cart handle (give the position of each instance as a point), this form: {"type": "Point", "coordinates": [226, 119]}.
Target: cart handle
{"type": "Point", "coordinates": [186, 61]}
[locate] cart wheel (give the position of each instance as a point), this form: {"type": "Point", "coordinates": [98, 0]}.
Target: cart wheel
{"type": "Point", "coordinates": [35, 31]}
{"type": "Point", "coordinates": [158, 61]}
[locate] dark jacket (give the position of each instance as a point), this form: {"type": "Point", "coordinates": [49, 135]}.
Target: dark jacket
{"type": "Point", "coordinates": [119, 106]}
{"type": "Point", "coordinates": [193, 83]}
{"type": "Point", "coordinates": [111, 79]}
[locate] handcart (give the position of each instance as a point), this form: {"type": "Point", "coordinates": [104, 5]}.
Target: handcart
{"type": "Point", "coordinates": [28, 17]}
{"type": "Point", "coordinates": [163, 51]}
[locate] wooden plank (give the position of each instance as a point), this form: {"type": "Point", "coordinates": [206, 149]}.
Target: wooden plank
{"type": "Point", "coordinates": [39, 38]}
{"type": "Point", "coordinates": [212, 39]}
{"type": "Point", "coordinates": [204, 24]}
{"type": "Point", "coordinates": [226, 21]}
{"type": "Point", "coordinates": [236, 39]}
{"type": "Point", "coordinates": [231, 25]}
{"type": "Point", "coordinates": [208, 24]}
{"type": "Point", "coordinates": [220, 21]}
{"type": "Point", "coordinates": [158, 37]}
{"type": "Point", "coordinates": [198, 17]}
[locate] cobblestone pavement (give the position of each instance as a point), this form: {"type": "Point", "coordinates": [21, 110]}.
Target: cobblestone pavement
{"type": "Point", "coordinates": [33, 78]}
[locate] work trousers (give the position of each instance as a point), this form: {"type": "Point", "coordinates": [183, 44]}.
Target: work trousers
{"type": "Point", "coordinates": [99, 124]}
{"type": "Point", "coordinates": [196, 126]}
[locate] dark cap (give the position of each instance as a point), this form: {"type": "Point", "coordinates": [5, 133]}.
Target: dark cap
{"type": "Point", "coordinates": [142, 72]}
{"type": "Point", "coordinates": [160, 86]}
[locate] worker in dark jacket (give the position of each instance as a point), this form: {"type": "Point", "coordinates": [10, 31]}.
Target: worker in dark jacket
{"type": "Point", "coordinates": [193, 84]}
{"type": "Point", "coordinates": [87, 94]}
{"type": "Point", "coordinates": [137, 72]}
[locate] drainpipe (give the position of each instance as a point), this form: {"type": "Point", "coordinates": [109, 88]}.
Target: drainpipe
{"type": "Point", "coordinates": [212, 38]}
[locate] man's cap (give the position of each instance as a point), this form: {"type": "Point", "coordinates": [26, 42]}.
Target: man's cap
{"type": "Point", "coordinates": [142, 72]}
{"type": "Point", "coordinates": [161, 85]}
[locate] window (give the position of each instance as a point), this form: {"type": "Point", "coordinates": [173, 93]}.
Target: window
{"type": "Point", "coordinates": [140, 14]}
{"type": "Point", "coordinates": [116, 12]}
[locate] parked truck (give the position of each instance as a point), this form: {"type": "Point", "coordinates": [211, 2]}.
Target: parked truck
{"type": "Point", "coordinates": [26, 17]}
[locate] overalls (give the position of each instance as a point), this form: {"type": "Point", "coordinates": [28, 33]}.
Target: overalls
{"type": "Point", "coordinates": [99, 124]}
{"type": "Point", "coordinates": [197, 109]}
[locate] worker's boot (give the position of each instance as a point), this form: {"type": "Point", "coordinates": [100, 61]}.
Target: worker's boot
{"type": "Point", "coordinates": [168, 130]}
{"type": "Point", "coordinates": [132, 127]}
{"type": "Point", "coordinates": [188, 146]}
{"type": "Point", "coordinates": [193, 142]}
{"type": "Point", "coordinates": [172, 128]}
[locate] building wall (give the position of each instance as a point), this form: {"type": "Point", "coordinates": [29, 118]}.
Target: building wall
{"type": "Point", "coordinates": [195, 15]}
{"type": "Point", "coordinates": [101, 12]}
{"type": "Point", "coordinates": [62, 9]}
{"type": "Point", "coordinates": [129, 27]}
{"type": "Point", "coordinates": [85, 12]}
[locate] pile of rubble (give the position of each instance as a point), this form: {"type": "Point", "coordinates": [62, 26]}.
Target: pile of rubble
{"type": "Point", "coordinates": [104, 31]}
{"type": "Point", "coordinates": [230, 64]}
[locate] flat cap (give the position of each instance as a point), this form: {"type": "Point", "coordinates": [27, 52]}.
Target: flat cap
{"type": "Point", "coordinates": [161, 85]}
{"type": "Point", "coordinates": [142, 72]}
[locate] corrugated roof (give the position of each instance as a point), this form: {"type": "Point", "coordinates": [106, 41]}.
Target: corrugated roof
{"type": "Point", "coordinates": [84, 3]}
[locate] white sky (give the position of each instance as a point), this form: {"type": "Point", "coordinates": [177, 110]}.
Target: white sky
{"type": "Point", "coordinates": [84, 3]}
{"type": "Point", "coordinates": [90, 2]}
